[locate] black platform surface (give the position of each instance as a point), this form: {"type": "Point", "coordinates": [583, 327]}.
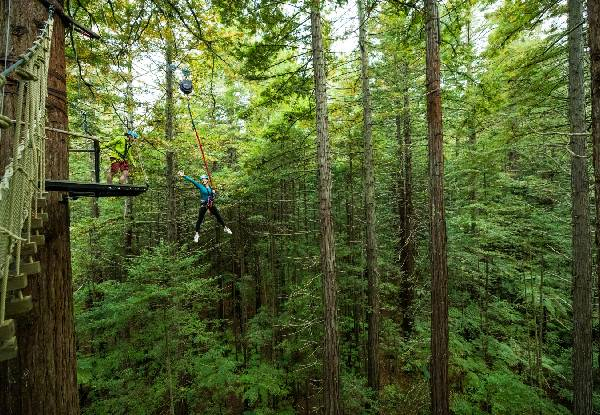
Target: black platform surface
{"type": "Point", "coordinates": [76, 189]}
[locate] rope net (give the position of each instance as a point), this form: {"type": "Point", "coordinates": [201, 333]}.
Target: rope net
{"type": "Point", "coordinates": [22, 185]}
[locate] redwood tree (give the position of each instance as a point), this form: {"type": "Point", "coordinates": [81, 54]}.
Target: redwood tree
{"type": "Point", "coordinates": [593, 14]}
{"type": "Point", "coordinates": [438, 251]}
{"type": "Point", "coordinates": [42, 379]}
{"type": "Point", "coordinates": [170, 159]}
{"type": "Point", "coordinates": [406, 251]}
{"type": "Point", "coordinates": [581, 246]}
{"type": "Point", "coordinates": [331, 375]}
{"type": "Point", "coordinates": [369, 192]}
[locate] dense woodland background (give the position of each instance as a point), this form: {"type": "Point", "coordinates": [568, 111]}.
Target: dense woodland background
{"type": "Point", "coordinates": [234, 324]}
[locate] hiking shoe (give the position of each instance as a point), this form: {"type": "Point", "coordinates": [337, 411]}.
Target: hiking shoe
{"type": "Point", "coordinates": [227, 230]}
{"type": "Point", "coordinates": [196, 237]}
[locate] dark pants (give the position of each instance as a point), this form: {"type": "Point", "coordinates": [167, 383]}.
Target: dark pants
{"type": "Point", "coordinates": [213, 209]}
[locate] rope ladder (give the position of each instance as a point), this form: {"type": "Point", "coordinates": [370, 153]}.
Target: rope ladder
{"type": "Point", "coordinates": [22, 189]}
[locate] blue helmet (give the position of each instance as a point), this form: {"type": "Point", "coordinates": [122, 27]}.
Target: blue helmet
{"type": "Point", "coordinates": [132, 134]}
{"type": "Point", "coordinates": [204, 176]}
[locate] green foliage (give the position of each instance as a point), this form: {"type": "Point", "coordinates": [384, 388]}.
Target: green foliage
{"type": "Point", "coordinates": [262, 382]}
{"type": "Point", "coordinates": [239, 318]}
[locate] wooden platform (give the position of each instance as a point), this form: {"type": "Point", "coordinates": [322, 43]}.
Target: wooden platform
{"type": "Point", "coordinates": [76, 189]}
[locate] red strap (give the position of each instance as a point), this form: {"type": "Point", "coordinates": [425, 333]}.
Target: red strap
{"type": "Point", "coordinates": [199, 141]}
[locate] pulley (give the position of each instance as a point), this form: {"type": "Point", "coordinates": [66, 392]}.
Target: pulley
{"type": "Point", "coordinates": [186, 86]}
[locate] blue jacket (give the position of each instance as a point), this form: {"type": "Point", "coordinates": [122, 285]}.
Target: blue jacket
{"type": "Point", "coordinates": [205, 191]}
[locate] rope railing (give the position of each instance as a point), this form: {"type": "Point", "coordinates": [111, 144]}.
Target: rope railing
{"type": "Point", "coordinates": [22, 184]}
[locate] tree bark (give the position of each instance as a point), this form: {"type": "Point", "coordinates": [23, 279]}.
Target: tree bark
{"type": "Point", "coordinates": [593, 13]}
{"type": "Point", "coordinates": [128, 209]}
{"type": "Point", "coordinates": [42, 379]}
{"type": "Point", "coordinates": [169, 121]}
{"type": "Point", "coordinates": [369, 192]}
{"type": "Point", "coordinates": [581, 248]}
{"type": "Point", "coordinates": [439, 260]}
{"type": "Point", "coordinates": [331, 369]}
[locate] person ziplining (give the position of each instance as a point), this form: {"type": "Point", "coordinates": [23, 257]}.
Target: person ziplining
{"type": "Point", "coordinates": [207, 193]}
{"type": "Point", "coordinates": [207, 198]}
{"type": "Point", "coordinates": [121, 157]}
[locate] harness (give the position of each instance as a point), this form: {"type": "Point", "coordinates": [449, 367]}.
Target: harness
{"type": "Point", "coordinates": [211, 198]}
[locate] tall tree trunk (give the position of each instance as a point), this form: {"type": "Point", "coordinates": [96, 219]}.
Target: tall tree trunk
{"type": "Point", "coordinates": [42, 379]}
{"type": "Point", "coordinates": [581, 267]}
{"type": "Point", "coordinates": [170, 183]}
{"type": "Point", "coordinates": [128, 209]}
{"type": "Point", "coordinates": [407, 246]}
{"type": "Point", "coordinates": [172, 233]}
{"type": "Point", "coordinates": [369, 192]}
{"type": "Point", "coordinates": [331, 368]}
{"type": "Point", "coordinates": [439, 260]}
{"type": "Point", "coordinates": [95, 268]}
{"type": "Point", "coordinates": [593, 13]}
{"type": "Point", "coordinates": [169, 121]}
{"type": "Point", "coordinates": [95, 173]}
{"type": "Point", "coordinates": [472, 136]}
